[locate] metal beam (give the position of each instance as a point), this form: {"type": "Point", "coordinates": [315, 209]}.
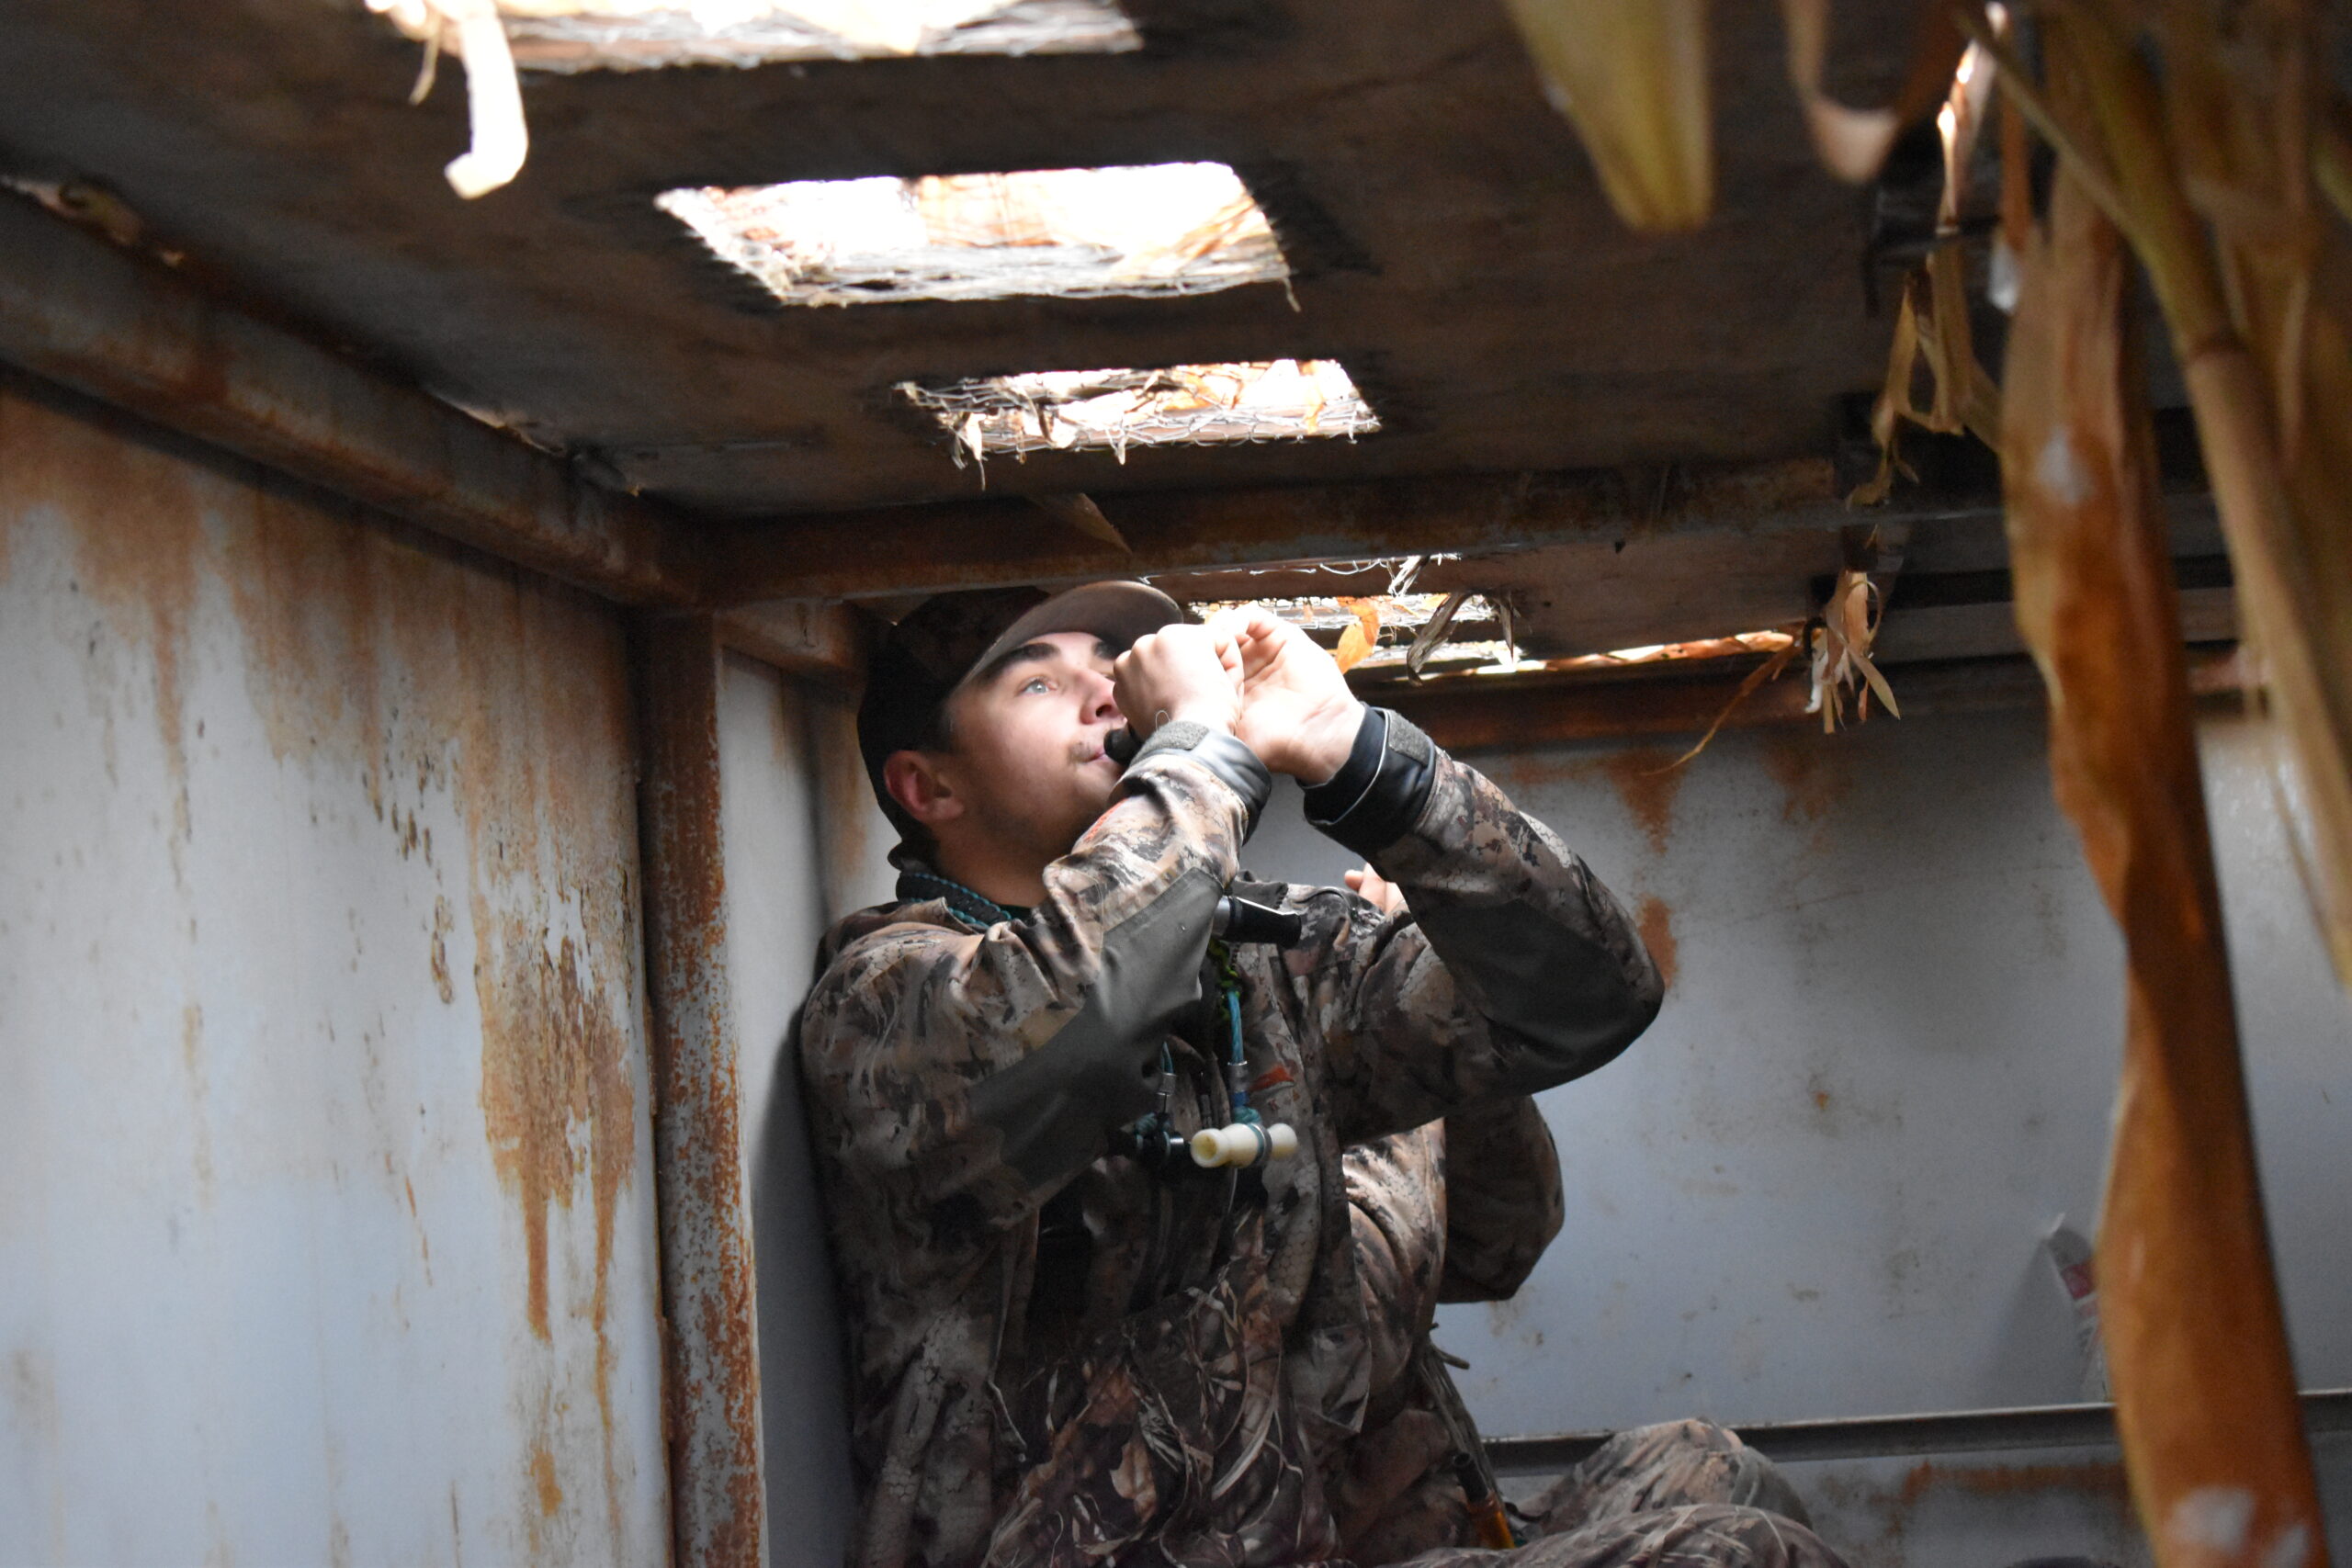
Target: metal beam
{"type": "Point", "coordinates": [921, 550]}
{"type": "Point", "coordinates": [1892, 1437]}
{"type": "Point", "coordinates": [710, 1357]}
{"type": "Point", "coordinates": [79, 311]}
{"type": "Point", "coordinates": [1493, 711]}
{"type": "Point", "coordinates": [800, 637]}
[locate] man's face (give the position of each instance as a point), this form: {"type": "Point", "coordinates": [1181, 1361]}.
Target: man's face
{"type": "Point", "coordinates": [1027, 755]}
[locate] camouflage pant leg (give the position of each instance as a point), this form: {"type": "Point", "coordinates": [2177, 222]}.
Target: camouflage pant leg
{"type": "Point", "coordinates": [1670, 1465]}
{"type": "Point", "coordinates": [1699, 1535]}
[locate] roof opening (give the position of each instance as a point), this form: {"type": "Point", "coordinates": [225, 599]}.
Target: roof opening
{"type": "Point", "coordinates": [636, 35]}
{"type": "Point", "coordinates": [1182, 405]}
{"type": "Point", "coordinates": [1073, 233]}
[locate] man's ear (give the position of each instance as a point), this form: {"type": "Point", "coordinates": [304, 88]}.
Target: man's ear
{"type": "Point", "coordinates": [920, 788]}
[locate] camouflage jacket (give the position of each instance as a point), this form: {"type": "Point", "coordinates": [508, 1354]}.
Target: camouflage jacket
{"type": "Point", "coordinates": [1061, 1357]}
{"type": "Point", "coordinates": [1458, 1211]}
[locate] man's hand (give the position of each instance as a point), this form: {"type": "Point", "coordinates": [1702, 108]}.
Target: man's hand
{"type": "Point", "coordinates": [1296, 711]}
{"type": "Point", "coordinates": [1376, 890]}
{"type": "Point", "coordinates": [1178, 674]}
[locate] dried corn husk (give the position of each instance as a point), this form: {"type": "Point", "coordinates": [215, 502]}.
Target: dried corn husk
{"type": "Point", "coordinates": [1931, 328]}
{"type": "Point", "coordinates": [2205, 1392]}
{"type": "Point", "coordinates": [474, 30]}
{"type": "Point", "coordinates": [1631, 75]}
{"type": "Point", "coordinates": [1853, 143]}
{"type": "Point", "coordinates": [1841, 653]}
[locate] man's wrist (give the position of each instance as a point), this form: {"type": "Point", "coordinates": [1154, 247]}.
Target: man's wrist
{"type": "Point", "coordinates": [1214, 716]}
{"type": "Point", "coordinates": [1324, 748]}
{"type": "Point", "coordinates": [1374, 800]}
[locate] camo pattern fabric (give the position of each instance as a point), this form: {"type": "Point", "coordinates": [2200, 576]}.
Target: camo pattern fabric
{"type": "Point", "coordinates": [1119, 1367]}
{"type": "Point", "coordinates": [1460, 1209]}
{"type": "Point", "coordinates": [1680, 1494]}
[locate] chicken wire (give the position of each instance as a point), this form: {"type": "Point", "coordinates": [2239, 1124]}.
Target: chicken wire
{"type": "Point", "coordinates": [1073, 233]}
{"type": "Point", "coordinates": [566, 36]}
{"type": "Point", "coordinates": [1282, 399]}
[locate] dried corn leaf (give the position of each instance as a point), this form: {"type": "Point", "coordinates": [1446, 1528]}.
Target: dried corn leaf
{"type": "Point", "coordinates": [1758, 677]}
{"type": "Point", "coordinates": [2205, 1393]}
{"type": "Point", "coordinates": [1931, 328]}
{"type": "Point", "coordinates": [1853, 143]}
{"type": "Point", "coordinates": [474, 30]}
{"type": "Point", "coordinates": [1631, 75]}
{"type": "Point", "coordinates": [1361, 638]}
{"type": "Point", "coordinates": [1433, 632]}
{"type": "Point", "coordinates": [1841, 653]}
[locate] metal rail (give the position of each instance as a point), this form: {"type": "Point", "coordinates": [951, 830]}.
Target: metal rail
{"type": "Point", "coordinates": [1893, 1437]}
{"type": "Point", "coordinates": [128, 331]}
{"type": "Point", "coordinates": [711, 1359]}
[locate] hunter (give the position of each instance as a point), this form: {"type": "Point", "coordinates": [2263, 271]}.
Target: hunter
{"type": "Point", "coordinates": [1076, 1338]}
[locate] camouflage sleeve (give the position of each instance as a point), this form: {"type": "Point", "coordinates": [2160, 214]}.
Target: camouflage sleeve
{"type": "Point", "coordinates": [1503, 1199]}
{"type": "Point", "coordinates": [975, 1073]}
{"type": "Point", "coordinates": [1397, 1207]}
{"type": "Point", "coordinates": [1511, 969]}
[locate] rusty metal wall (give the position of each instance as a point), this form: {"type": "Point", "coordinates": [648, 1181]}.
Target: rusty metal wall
{"type": "Point", "coordinates": [326, 1227]}
{"type": "Point", "coordinates": [1986, 1510]}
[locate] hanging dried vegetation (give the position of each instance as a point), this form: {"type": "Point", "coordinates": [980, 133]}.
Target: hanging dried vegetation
{"type": "Point", "coordinates": [1632, 75]}
{"type": "Point", "coordinates": [2212, 173]}
{"type": "Point", "coordinates": [2204, 1387]}
{"type": "Point", "coordinates": [2205, 136]}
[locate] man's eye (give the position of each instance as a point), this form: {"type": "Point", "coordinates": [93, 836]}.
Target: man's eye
{"type": "Point", "coordinates": [1035, 684]}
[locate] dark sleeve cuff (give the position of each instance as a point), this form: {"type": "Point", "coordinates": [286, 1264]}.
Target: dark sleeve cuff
{"type": "Point", "coordinates": [1229, 759]}
{"type": "Point", "coordinates": [1377, 795]}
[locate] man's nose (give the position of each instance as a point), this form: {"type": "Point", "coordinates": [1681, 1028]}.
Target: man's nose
{"type": "Point", "coordinates": [1100, 703]}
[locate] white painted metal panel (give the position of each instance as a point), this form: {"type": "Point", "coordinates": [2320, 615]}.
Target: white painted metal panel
{"type": "Point", "coordinates": [326, 1219]}
{"type": "Point", "coordinates": [1817, 1186]}
{"type": "Point", "coordinates": [775, 911]}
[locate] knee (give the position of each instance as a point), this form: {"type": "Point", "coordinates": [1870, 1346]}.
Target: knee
{"type": "Point", "coordinates": [1693, 1433]}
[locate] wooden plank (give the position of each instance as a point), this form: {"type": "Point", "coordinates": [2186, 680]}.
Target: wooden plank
{"type": "Point", "coordinates": [924, 550]}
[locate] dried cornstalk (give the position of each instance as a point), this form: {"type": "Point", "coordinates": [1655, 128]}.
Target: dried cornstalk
{"type": "Point", "coordinates": [1631, 75]}
{"type": "Point", "coordinates": [2205, 1392]}
{"type": "Point", "coordinates": [2212, 178]}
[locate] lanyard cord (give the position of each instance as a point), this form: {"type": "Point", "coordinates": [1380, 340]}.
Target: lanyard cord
{"type": "Point", "coordinates": [1158, 1127]}
{"type": "Point", "coordinates": [956, 896]}
{"type": "Point", "coordinates": [1237, 1067]}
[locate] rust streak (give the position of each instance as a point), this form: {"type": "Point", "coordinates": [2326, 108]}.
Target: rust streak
{"type": "Point", "coordinates": [1656, 923]}
{"type": "Point", "coordinates": [1647, 780]}
{"type": "Point", "coordinates": [543, 1477]}
{"type": "Point", "coordinates": [200, 1091]}
{"type": "Point", "coordinates": [1812, 771]}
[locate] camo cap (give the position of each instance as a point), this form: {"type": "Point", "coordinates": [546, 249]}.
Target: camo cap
{"type": "Point", "coordinates": [950, 637]}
